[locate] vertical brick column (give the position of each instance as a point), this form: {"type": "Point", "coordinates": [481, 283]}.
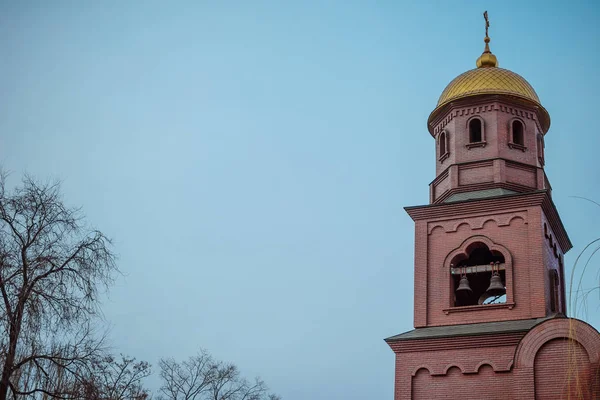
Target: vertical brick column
{"type": "Point", "coordinates": [403, 381]}
{"type": "Point", "coordinates": [535, 264]}
{"type": "Point", "coordinates": [523, 384]}
{"type": "Point", "coordinates": [421, 274]}
{"type": "Point", "coordinates": [499, 170]}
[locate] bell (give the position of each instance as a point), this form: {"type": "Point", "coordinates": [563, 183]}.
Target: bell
{"type": "Point", "coordinates": [496, 287]}
{"type": "Point", "coordinates": [463, 285]}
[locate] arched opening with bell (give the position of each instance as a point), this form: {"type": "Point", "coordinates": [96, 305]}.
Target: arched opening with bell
{"type": "Point", "coordinates": [478, 276]}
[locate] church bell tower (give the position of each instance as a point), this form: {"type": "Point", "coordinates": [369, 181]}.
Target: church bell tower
{"type": "Point", "coordinates": [489, 295]}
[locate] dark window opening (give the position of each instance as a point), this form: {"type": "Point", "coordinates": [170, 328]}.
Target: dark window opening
{"type": "Point", "coordinates": [475, 131]}
{"type": "Point", "coordinates": [442, 143]}
{"type": "Point", "coordinates": [517, 133]}
{"type": "Point", "coordinates": [561, 292]}
{"type": "Point", "coordinates": [554, 296]}
{"type": "Point", "coordinates": [478, 271]}
{"type": "Point", "coordinates": [540, 149]}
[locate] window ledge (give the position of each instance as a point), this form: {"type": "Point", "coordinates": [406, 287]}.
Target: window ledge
{"type": "Point", "coordinates": [517, 146]}
{"type": "Point", "coordinates": [444, 156]}
{"type": "Point", "coordinates": [476, 144]}
{"type": "Point", "coordinates": [479, 307]}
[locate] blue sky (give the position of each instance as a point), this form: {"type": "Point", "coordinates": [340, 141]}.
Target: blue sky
{"type": "Point", "coordinates": [251, 161]}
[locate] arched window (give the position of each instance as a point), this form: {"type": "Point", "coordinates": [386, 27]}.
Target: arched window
{"type": "Point", "coordinates": [517, 133]}
{"type": "Point", "coordinates": [475, 131]}
{"type": "Point", "coordinates": [540, 148]}
{"type": "Point", "coordinates": [554, 291]}
{"type": "Point", "coordinates": [478, 266]}
{"type": "Point", "coordinates": [443, 145]}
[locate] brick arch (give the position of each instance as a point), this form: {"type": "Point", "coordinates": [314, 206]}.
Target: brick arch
{"type": "Point", "coordinates": [454, 365]}
{"type": "Point", "coordinates": [436, 226]}
{"type": "Point", "coordinates": [517, 217]}
{"type": "Point", "coordinates": [510, 128]}
{"type": "Point", "coordinates": [451, 367]}
{"type": "Point", "coordinates": [557, 328]}
{"type": "Point", "coordinates": [484, 363]}
{"type": "Point", "coordinates": [495, 220]}
{"type": "Point", "coordinates": [468, 124]}
{"type": "Point", "coordinates": [443, 143]}
{"type": "Point", "coordinates": [467, 243]}
{"type": "Point", "coordinates": [458, 225]}
{"type": "Point", "coordinates": [521, 120]}
{"type": "Point", "coordinates": [422, 367]}
{"type": "Point", "coordinates": [475, 116]}
{"type": "Point", "coordinates": [479, 224]}
{"type": "Point", "coordinates": [562, 369]}
{"type": "Point", "coordinates": [463, 250]}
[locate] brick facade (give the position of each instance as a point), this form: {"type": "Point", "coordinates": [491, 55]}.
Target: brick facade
{"type": "Point", "coordinates": [496, 163]}
{"type": "Point", "coordinates": [491, 198]}
{"type": "Point", "coordinates": [557, 358]}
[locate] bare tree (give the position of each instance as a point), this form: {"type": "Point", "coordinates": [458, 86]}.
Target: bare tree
{"type": "Point", "coordinates": [114, 379]}
{"type": "Point", "coordinates": [52, 269]}
{"type": "Point", "coordinates": [188, 380]}
{"type": "Point", "coordinates": [203, 378]}
{"type": "Point", "coordinates": [105, 378]}
{"type": "Point", "coordinates": [57, 372]}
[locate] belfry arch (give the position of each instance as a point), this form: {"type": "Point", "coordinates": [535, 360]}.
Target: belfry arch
{"type": "Point", "coordinates": [478, 259]}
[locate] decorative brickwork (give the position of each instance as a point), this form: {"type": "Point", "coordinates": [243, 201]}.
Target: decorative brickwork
{"type": "Point", "coordinates": [557, 358]}
{"type": "Point", "coordinates": [466, 108]}
{"type": "Point", "coordinates": [490, 297]}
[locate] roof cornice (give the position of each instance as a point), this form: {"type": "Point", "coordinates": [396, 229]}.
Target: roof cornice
{"type": "Point", "coordinates": [539, 198]}
{"type": "Point", "coordinates": [446, 110]}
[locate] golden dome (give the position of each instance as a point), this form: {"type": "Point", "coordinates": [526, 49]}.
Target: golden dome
{"type": "Point", "coordinates": [488, 79]}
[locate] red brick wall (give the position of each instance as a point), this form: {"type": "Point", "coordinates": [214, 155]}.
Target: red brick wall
{"type": "Point", "coordinates": [513, 230]}
{"type": "Point", "coordinates": [433, 374]}
{"type": "Point", "coordinates": [539, 364]}
{"type": "Point", "coordinates": [470, 174]}
{"type": "Point", "coordinates": [441, 165]}
{"type": "Point", "coordinates": [562, 371]}
{"type": "Point", "coordinates": [441, 185]}
{"type": "Point", "coordinates": [551, 259]}
{"type": "Point", "coordinates": [497, 118]}
{"type": "Point", "coordinates": [486, 384]}
{"type": "Point", "coordinates": [421, 276]}
{"type": "Point", "coordinates": [494, 366]}
{"type": "Point", "coordinates": [521, 175]}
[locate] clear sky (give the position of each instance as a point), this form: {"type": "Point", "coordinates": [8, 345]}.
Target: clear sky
{"type": "Point", "coordinates": [251, 161]}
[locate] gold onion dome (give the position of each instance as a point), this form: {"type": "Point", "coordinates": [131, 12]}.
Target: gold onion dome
{"type": "Point", "coordinates": [488, 79]}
